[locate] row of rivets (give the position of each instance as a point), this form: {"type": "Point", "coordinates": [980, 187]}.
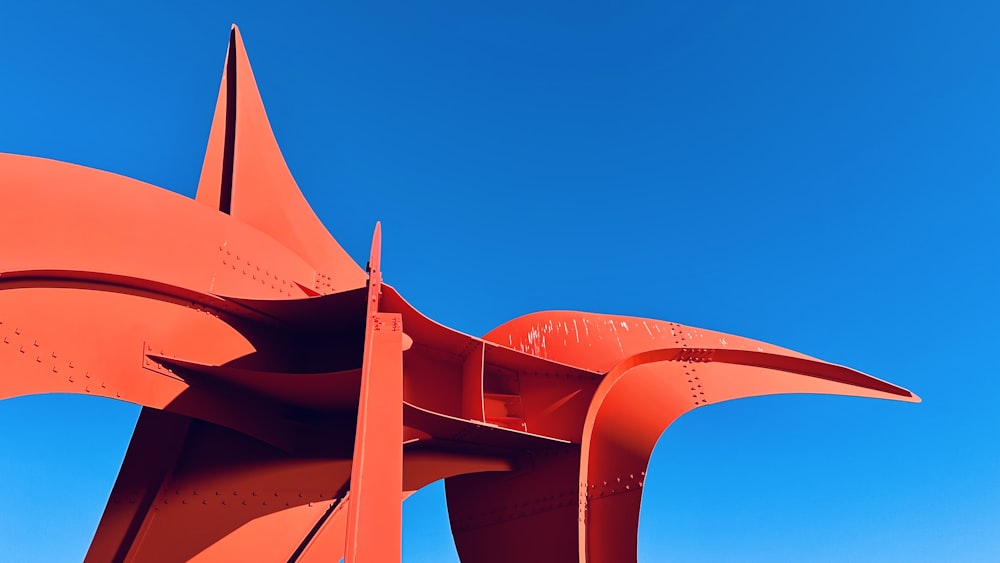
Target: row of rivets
{"type": "Point", "coordinates": [40, 358]}
{"type": "Point", "coordinates": [255, 272]}
{"type": "Point", "coordinates": [616, 486]}
{"type": "Point", "coordinates": [505, 513]}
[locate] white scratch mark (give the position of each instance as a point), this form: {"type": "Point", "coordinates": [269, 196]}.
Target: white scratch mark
{"type": "Point", "coordinates": [577, 331]}
{"type": "Point", "coordinates": [646, 326]}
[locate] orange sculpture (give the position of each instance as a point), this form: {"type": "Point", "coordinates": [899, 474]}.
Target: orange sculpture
{"type": "Point", "coordinates": [291, 400]}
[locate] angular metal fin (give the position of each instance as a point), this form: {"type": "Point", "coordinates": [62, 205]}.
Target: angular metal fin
{"type": "Point", "coordinates": [245, 175]}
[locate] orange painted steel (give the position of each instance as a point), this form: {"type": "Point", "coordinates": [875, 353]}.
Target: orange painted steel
{"type": "Point", "coordinates": [291, 399]}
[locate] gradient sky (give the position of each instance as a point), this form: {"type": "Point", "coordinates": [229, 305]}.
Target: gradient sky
{"type": "Point", "coordinates": [819, 175]}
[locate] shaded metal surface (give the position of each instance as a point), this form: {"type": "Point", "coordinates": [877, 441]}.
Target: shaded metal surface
{"type": "Point", "coordinates": [291, 400]}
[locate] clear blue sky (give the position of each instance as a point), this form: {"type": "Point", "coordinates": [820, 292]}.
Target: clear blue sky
{"type": "Point", "coordinates": [819, 175]}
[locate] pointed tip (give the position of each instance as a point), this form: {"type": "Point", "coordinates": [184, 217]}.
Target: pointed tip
{"type": "Point", "coordinates": [235, 40]}
{"type": "Point", "coordinates": [375, 257]}
{"type": "Point", "coordinates": [244, 174]}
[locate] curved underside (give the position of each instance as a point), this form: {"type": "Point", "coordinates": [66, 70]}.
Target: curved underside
{"type": "Point", "coordinates": [587, 499]}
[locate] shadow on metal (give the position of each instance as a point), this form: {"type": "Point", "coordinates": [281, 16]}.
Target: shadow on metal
{"type": "Point", "coordinates": [291, 400]}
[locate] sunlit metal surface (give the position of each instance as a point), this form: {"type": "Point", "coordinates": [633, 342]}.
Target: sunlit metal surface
{"type": "Point", "coordinates": [291, 400]}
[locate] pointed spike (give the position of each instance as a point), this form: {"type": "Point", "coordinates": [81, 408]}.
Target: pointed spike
{"type": "Point", "coordinates": [245, 175]}
{"type": "Point", "coordinates": [375, 257]}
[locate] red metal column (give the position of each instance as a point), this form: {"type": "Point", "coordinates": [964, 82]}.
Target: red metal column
{"type": "Point", "coordinates": [375, 513]}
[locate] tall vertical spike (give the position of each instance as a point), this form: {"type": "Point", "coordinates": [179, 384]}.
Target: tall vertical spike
{"type": "Point", "coordinates": [374, 519]}
{"type": "Point", "coordinates": [245, 175]}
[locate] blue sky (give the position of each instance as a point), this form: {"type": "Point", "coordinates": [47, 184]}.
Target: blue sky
{"type": "Point", "coordinates": [820, 175]}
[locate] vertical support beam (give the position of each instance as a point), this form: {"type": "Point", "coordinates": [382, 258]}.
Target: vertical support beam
{"type": "Point", "coordinates": [375, 513]}
{"type": "Point", "coordinates": [472, 383]}
{"type": "Point", "coordinates": [153, 452]}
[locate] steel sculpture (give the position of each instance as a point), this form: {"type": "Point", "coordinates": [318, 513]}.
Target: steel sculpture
{"type": "Point", "coordinates": [291, 399]}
